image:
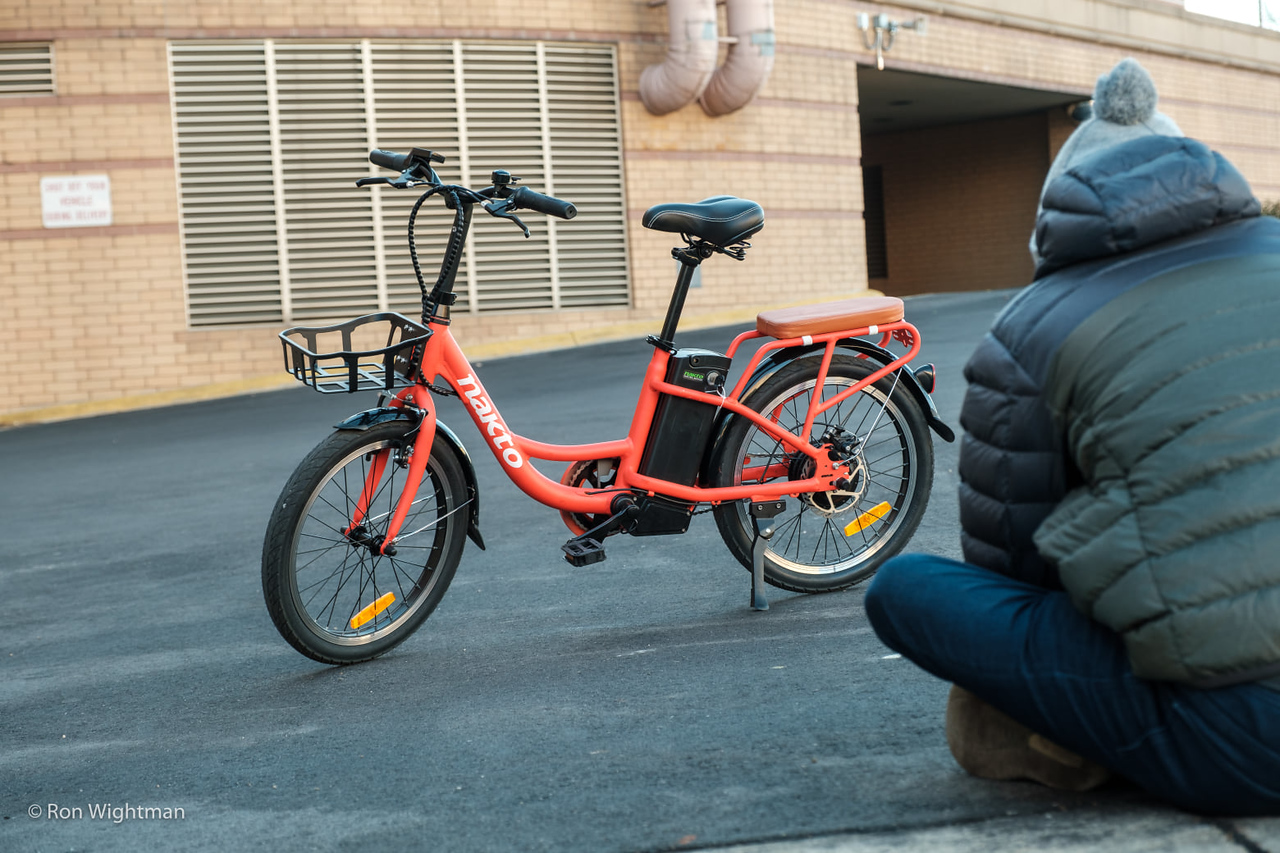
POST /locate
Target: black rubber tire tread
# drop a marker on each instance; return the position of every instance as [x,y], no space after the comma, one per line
[912,422]
[278,581]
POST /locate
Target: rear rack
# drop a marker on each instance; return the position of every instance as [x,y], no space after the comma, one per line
[342,369]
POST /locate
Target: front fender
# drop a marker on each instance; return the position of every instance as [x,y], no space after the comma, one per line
[372,417]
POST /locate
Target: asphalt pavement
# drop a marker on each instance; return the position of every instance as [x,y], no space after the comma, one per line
[147,702]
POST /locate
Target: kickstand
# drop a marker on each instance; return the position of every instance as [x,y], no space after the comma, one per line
[761,509]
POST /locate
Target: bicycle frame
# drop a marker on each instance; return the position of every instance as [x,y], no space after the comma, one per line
[444,359]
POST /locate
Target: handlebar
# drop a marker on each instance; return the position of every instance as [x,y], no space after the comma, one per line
[527,198]
[415,170]
[418,160]
[389,159]
[500,200]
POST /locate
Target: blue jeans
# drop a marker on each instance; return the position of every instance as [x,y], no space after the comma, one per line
[1029,652]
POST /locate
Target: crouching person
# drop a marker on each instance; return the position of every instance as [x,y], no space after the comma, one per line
[1118,610]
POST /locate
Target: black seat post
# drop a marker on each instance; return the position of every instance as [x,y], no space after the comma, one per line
[689,259]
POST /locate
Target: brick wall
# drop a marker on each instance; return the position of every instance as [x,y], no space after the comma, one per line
[106,305]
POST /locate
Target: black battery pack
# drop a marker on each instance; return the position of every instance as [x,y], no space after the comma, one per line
[680,430]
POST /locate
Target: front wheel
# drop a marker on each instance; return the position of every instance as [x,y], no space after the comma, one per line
[826,541]
[329,594]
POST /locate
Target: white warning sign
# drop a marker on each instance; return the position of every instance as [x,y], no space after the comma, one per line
[76,202]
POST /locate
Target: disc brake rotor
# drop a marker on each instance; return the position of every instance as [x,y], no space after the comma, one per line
[846,447]
[839,500]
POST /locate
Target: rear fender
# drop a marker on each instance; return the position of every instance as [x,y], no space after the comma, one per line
[774,361]
[372,417]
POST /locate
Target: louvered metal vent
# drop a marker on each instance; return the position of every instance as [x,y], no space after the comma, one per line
[225,138]
[273,134]
[586,159]
[26,69]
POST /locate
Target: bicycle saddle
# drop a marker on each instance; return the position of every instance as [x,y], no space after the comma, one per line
[721,220]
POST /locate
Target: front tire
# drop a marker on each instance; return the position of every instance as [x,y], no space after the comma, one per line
[330,596]
[887,437]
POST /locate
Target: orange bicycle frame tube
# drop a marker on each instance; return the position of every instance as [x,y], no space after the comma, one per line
[444,358]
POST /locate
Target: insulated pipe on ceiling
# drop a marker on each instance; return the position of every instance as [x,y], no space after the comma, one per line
[691,57]
[750,58]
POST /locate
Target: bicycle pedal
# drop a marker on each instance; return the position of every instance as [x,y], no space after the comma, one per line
[582,552]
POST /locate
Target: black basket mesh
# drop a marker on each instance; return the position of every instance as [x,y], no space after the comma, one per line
[325,358]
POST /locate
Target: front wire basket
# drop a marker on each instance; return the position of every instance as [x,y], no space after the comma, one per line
[310,354]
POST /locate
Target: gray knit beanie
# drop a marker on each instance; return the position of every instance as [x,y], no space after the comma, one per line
[1124,108]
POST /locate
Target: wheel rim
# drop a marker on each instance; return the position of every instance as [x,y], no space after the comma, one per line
[809,538]
[335,581]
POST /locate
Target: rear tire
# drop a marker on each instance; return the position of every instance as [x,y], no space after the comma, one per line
[810,550]
[318,582]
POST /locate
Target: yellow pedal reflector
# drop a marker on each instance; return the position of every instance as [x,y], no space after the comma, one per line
[367,615]
[867,519]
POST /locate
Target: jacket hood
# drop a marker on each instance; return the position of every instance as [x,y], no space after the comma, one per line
[1136,194]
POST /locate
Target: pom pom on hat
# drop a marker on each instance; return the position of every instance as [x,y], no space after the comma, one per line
[1125,95]
[1124,108]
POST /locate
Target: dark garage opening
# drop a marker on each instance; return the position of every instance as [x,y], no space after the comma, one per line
[952,171]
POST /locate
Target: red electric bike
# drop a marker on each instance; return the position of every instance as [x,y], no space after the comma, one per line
[817,463]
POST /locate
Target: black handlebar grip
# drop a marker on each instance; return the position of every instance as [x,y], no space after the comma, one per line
[389,159]
[525,197]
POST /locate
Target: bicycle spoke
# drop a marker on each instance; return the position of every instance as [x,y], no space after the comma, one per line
[811,539]
[821,535]
[365,577]
[336,538]
[321,581]
[319,556]
[795,531]
[839,540]
[892,437]
[897,452]
[383,515]
[874,480]
[866,543]
[333,600]
[321,551]
[434,523]
[341,514]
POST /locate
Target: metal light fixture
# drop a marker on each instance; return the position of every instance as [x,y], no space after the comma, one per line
[885,28]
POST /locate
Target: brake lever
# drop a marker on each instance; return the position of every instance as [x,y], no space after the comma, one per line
[404,181]
[499,209]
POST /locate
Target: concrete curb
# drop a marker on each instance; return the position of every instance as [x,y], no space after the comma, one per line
[1126,830]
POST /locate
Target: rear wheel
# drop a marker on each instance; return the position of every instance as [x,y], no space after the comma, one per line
[829,540]
[329,594]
